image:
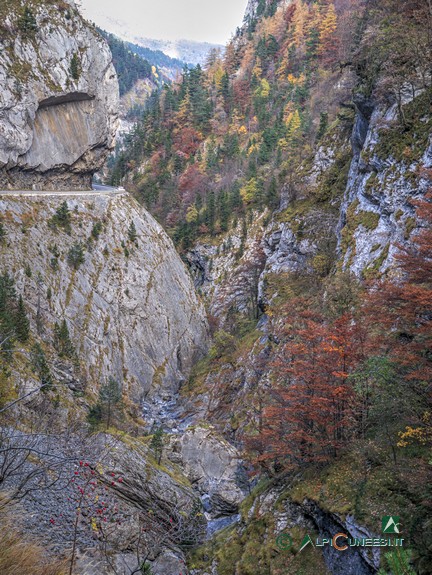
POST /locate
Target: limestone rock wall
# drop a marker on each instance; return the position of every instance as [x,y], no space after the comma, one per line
[131,307]
[58,97]
[378,213]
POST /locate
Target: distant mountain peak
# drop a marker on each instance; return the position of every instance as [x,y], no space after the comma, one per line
[189,51]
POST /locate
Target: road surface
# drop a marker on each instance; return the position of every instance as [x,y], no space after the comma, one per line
[98,189]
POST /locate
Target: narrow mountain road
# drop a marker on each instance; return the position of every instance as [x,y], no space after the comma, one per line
[97,190]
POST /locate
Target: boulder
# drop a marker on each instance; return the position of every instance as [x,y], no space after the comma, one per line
[213,466]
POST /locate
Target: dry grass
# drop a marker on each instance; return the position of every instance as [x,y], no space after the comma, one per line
[19,556]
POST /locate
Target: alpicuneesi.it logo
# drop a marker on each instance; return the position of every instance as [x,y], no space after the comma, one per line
[390,524]
[341,541]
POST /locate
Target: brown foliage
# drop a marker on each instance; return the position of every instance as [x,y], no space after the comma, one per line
[404,308]
[17,555]
[310,415]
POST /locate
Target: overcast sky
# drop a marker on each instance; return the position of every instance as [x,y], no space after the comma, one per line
[202,20]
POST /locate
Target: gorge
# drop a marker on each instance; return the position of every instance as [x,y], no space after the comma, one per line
[236,348]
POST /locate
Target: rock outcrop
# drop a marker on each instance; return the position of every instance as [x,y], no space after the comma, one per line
[58,98]
[213,466]
[378,213]
[112,273]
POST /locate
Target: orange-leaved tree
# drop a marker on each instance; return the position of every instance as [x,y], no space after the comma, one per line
[310,413]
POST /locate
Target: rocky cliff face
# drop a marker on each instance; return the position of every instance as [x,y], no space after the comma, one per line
[59,97]
[378,211]
[130,305]
[251,9]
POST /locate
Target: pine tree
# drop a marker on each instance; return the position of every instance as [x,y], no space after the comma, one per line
[146,569]
[132,232]
[40,366]
[22,324]
[322,125]
[62,341]
[156,444]
[75,68]
[224,213]
[75,256]
[235,200]
[210,212]
[272,194]
[110,396]
[62,218]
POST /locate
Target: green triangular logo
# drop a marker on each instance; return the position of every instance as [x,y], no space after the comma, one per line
[390,524]
[306,540]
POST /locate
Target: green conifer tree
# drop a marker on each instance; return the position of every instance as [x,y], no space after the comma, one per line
[22,324]
[211,212]
[110,396]
[40,366]
[75,256]
[62,218]
[224,212]
[75,67]
[156,444]
[62,341]
[132,232]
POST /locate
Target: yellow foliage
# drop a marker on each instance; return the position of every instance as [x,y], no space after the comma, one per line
[155,74]
[263,89]
[183,115]
[288,113]
[296,81]
[288,119]
[422,435]
[248,57]
[299,22]
[274,26]
[294,125]
[249,191]
[94,524]
[191,214]
[254,148]
[257,69]
[217,76]
[236,122]
[283,144]
[328,26]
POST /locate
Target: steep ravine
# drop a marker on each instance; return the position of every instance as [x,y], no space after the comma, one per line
[103,267]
